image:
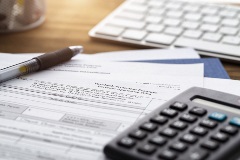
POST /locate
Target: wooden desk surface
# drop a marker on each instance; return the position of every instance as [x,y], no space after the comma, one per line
[68,23]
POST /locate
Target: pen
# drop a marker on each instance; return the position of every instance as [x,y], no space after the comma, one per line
[39,63]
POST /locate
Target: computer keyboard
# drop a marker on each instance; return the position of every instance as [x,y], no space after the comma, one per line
[211,29]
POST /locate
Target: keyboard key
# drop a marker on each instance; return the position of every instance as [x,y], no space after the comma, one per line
[127,142]
[209,10]
[228,30]
[130,15]
[191,7]
[199,131]
[190,25]
[179,106]
[209,27]
[169,132]
[127,23]
[147,149]
[155,11]
[188,118]
[179,125]
[198,111]
[174,14]
[229,130]
[179,146]
[155,28]
[171,22]
[155,3]
[159,119]
[221,137]
[158,140]
[138,134]
[173,5]
[218,116]
[168,155]
[214,37]
[134,34]
[110,31]
[209,144]
[208,123]
[160,38]
[136,8]
[189,138]
[230,22]
[211,19]
[153,19]
[148,126]
[198,154]
[173,31]
[227,13]
[231,40]
[169,112]
[235,121]
[192,34]
[193,16]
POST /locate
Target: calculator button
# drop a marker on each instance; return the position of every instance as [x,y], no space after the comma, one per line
[189,138]
[221,137]
[179,146]
[208,123]
[179,106]
[199,131]
[198,111]
[169,155]
[235,121]
[212,145]
[169,132]
[188,118]
[159,119]
[158,140]
[169,112]
[229,130]
[148,126]
[138,134]
[218,116]
[179,125]
[198,155]
[127,142]
[147,149]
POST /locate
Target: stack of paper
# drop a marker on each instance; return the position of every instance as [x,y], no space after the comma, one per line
[72,110]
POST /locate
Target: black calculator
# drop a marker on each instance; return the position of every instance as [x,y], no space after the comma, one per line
[198,124]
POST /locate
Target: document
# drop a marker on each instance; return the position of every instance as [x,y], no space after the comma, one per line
[7,59]
[60,114]
[143,54]
[73,118]
[223,85]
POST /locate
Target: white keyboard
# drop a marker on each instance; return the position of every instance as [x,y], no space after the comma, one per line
[212,29]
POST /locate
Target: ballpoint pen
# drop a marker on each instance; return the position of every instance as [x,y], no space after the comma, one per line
[39,63]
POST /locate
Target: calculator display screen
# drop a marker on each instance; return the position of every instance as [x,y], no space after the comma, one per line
[216,105]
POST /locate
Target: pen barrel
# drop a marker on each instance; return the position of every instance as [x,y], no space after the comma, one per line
[18,70]
[54,58]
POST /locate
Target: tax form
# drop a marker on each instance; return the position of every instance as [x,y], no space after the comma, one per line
[44,119]
[71,111]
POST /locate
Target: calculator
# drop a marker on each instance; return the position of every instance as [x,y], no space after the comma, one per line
[198,124]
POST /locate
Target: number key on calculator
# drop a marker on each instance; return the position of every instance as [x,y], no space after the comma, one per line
[199,124]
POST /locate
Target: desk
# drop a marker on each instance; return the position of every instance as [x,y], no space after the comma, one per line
[68,23]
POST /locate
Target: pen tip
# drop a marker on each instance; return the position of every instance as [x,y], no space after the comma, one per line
[76,49]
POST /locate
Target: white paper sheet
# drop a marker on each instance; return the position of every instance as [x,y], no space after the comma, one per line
[223,85]
[146,54]
[7,59]
[72,118]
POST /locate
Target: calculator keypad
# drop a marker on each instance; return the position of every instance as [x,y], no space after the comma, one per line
[190,124]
